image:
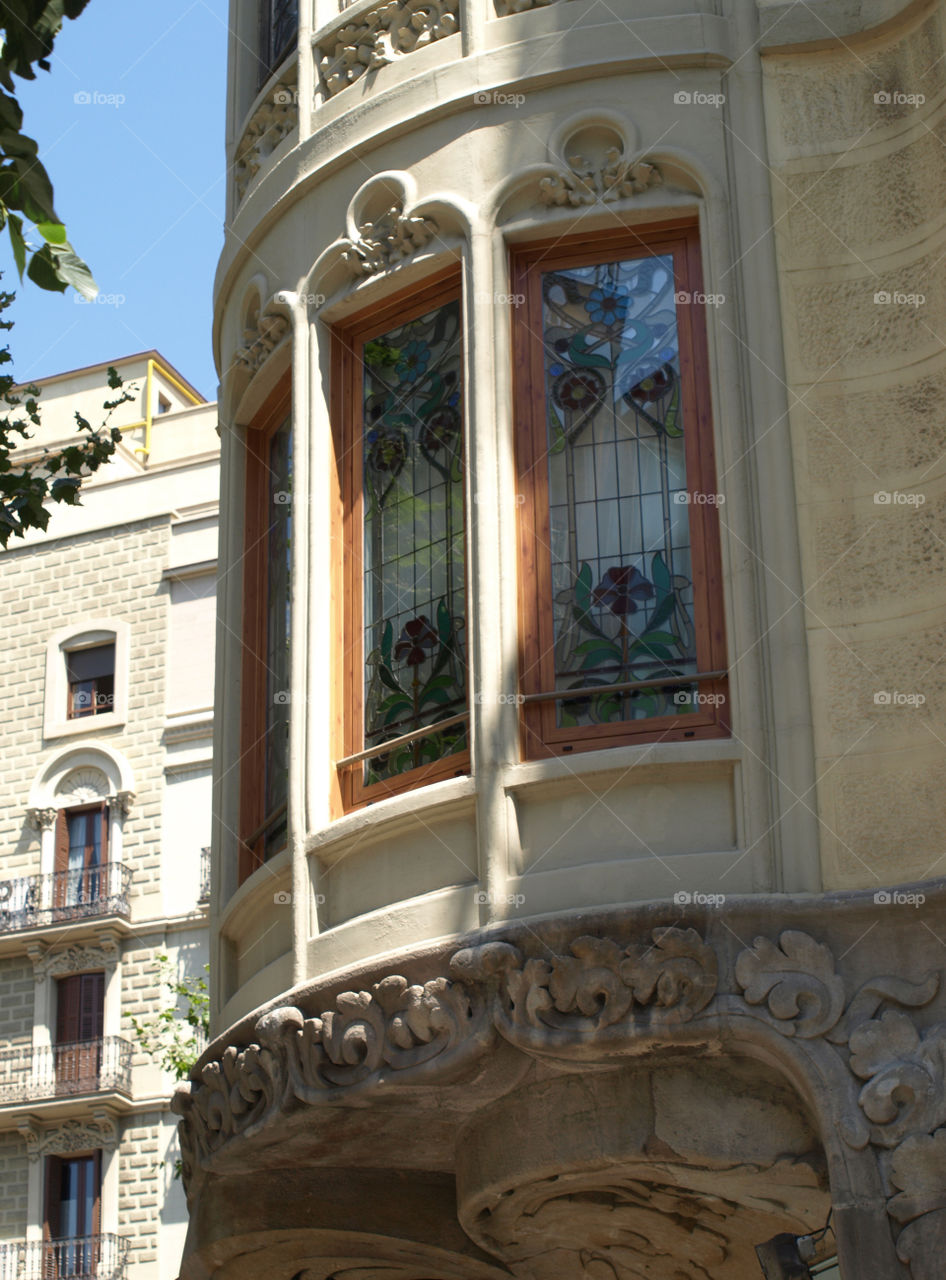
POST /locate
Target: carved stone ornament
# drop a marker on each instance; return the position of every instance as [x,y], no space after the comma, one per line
[504,7]
[42,819]
[273,120]
[120,802]
[381,34]
[259,342]
[70,1135]
[386,241]
[589,1001]
[585,182]
[75,959]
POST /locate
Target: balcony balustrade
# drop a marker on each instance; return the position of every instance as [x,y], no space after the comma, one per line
[32,1073]
[99,1257]
[61,896]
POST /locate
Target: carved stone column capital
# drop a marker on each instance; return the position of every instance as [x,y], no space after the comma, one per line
[121,802]
[42,819]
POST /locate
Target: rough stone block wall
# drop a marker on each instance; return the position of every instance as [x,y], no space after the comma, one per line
[859,176]
[16,1006]
[14,1174]
[115,573]
[140,1170]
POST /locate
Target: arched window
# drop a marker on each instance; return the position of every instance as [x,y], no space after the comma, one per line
[86,677]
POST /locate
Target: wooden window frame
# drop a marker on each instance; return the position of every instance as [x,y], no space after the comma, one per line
[349,792]
[253,706]
[540,735]
[94,709]
[52,1196]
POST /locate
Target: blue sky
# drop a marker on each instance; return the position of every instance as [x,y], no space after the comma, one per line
[130,126]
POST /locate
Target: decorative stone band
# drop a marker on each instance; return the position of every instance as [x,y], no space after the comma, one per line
[273,120]
[379,35]
[584,182]
[592,999]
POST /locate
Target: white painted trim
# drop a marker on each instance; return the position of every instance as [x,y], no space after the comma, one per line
[82,634]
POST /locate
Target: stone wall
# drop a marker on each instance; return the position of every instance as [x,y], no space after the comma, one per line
[139,1196]
[856,138]
[14,1171]
[112,574]
[16,1007]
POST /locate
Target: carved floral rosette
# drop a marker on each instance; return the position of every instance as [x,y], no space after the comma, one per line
[379,35]
[596,997]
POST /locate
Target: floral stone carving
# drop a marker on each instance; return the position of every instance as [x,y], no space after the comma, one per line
[259,342]
[380,35]
[274,120]
[585,182]
[589,1000]
[388,240]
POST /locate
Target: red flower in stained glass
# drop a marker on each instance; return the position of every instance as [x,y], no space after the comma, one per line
[579,390]
[621,588]
[417,636]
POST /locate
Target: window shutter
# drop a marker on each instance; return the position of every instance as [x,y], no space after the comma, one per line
[97,1198]
[53,1194]
[91,1018]
[62,842]
[68,997]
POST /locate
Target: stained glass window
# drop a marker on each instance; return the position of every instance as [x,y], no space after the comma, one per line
[279,22]
[413,536]
[276,763]
[618,504]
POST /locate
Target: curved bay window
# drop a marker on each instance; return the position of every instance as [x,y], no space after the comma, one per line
[279,22]
[622,629]
[265,718]
[399,437]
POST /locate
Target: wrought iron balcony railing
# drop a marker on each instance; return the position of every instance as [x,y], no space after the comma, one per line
[64,895]
[99,1257]
[204,875]
[30,1074]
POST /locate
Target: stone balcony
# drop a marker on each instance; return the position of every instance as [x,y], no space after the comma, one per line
[62,897]
[42,1073]
[98,1257]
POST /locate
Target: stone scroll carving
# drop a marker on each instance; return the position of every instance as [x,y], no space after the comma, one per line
[380,35]
[583,1001]
[387,240]
[70,1135]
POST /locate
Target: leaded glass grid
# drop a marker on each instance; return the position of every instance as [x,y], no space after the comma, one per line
[413,541]
[619,526]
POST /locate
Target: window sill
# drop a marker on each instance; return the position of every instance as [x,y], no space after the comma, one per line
[87,724]
[641,755]
[406,807]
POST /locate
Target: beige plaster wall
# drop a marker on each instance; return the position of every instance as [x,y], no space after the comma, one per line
[858,191]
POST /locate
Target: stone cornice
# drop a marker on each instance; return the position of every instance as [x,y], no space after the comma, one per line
[853,1031]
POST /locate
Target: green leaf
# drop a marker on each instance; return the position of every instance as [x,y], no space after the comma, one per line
[583,588]
[660,637]
[660,573]
[387,678]
[600,657]
[580,355]
[15,224]
[387,644]
[53,232]
[56,267]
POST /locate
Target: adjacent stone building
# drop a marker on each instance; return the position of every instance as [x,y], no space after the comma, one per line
[107,668]
[580,911]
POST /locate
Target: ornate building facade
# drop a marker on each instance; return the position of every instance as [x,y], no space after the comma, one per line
[580,694]
[107,668]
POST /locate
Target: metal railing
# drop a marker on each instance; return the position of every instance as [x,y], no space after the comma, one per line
[64,895]
[204,875]
[99,1257]
[28,1073]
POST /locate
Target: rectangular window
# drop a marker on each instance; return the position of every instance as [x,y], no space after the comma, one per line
[80,1019]
[91,679]
[621,594]
[72,1226]
[279,22]
[400,420]
[265,712]
[80,853]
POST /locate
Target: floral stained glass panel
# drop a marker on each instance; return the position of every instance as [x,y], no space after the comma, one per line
[412,466]
[619,527]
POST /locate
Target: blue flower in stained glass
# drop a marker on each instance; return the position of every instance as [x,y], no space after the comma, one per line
[607,306]
[414,360]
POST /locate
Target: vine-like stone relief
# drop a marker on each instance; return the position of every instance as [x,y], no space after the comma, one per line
[75,959]
[379,35]
[389,239]
[70,1135]
[273,120]
[585,999]
[585,182]
[260,338]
